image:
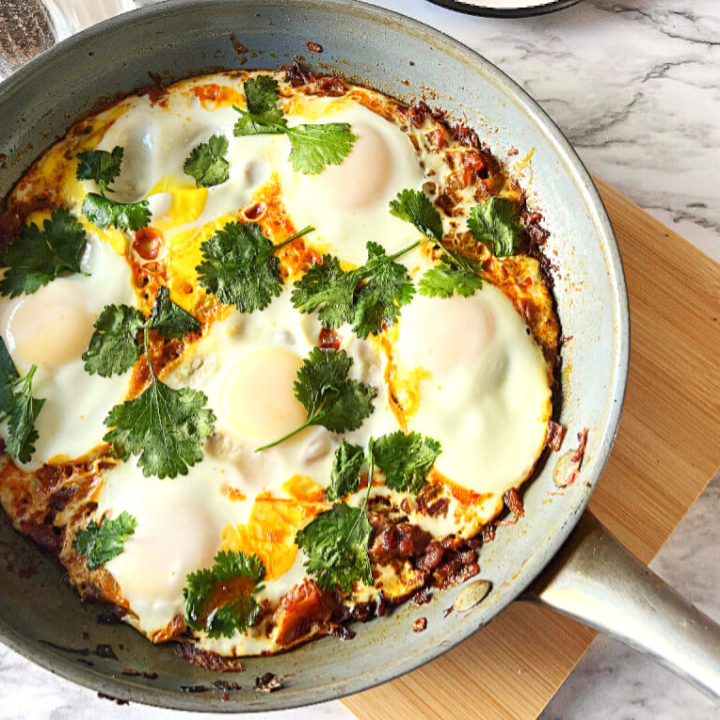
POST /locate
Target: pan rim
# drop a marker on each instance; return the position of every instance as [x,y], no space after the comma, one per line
[536,561]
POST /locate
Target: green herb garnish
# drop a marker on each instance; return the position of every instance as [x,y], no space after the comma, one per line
[165,426]
[101,543]
[406,460]
[492,222]
[115,345]
[368,297]
[345,473]
[38,256]
[103,167]
[207,164]
[456,273]
[313,146]
[221,600]
[18,407]
[330,397]
[240,267]
[336,543]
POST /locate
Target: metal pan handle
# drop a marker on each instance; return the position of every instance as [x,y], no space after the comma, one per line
[595,580]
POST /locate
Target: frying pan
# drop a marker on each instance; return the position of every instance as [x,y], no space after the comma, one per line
[592,578]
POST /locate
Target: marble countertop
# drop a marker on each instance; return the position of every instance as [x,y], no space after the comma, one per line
[634,84]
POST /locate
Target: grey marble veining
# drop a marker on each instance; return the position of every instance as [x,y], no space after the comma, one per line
[635,85]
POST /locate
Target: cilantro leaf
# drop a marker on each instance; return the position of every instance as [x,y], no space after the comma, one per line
[169,319]
[315,146]
[345,473]
[331,289]
[263,116]
[457,274]
[101,166]
[312,146]
[19,407]
[101,543]
[207,164]
[386,289]
[445,280]
[102,211]
[166,427]
[21,426]
[113,347]
[104,167]
[8,379]
[221,600]
[367,297]
[240,267]
[330,397]
[415,207]
[406,459]
[492,222]
[336,543]
[38,256]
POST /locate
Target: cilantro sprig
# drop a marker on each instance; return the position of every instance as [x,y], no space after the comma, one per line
[101,543]
[406,459]
[329,396]
[336,542]
[312,146]
[115,345]
[207,164]
[456,273]
[345,473]
[493,223]
[368,297]
[104,167]
[221,600]
[240,266]
[38,256]
[164,426]
[18,407]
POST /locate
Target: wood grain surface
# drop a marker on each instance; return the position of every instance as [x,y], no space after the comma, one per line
[667,450]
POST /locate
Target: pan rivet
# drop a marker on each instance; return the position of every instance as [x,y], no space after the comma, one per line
[471,595]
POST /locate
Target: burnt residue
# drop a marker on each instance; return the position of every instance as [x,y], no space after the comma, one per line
[110,616]
[420,625]
[131,672]
[314,47]
[240,49]
[207,660]
[103,651]
[195,689]
[267,683]
[342,633]
[226,686]
[116,700]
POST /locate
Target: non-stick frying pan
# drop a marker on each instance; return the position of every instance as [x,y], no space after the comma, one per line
[592,578]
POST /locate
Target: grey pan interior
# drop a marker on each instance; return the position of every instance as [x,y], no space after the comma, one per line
[384,50]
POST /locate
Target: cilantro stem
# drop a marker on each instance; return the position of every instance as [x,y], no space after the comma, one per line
[371,470]
[306,424]
[302,232]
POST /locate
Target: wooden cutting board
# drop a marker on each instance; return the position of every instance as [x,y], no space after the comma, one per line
[667,450]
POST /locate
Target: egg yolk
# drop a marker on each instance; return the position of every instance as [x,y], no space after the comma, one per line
[362,178]
[257,397]
[443,334]
[49,328]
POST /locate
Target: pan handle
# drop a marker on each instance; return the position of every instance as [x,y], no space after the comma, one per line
[595,580]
